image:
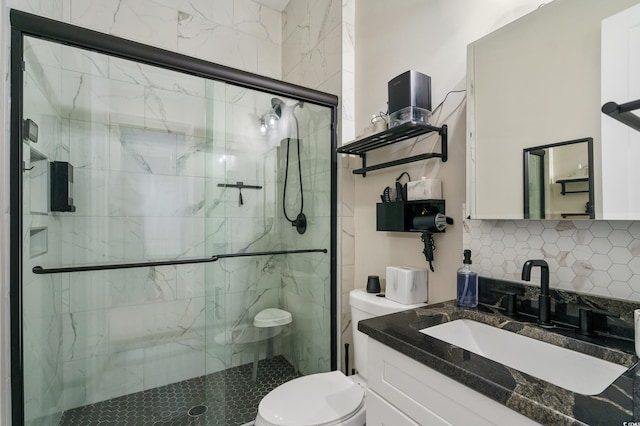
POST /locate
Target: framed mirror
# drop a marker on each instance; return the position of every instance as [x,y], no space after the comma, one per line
[538,81]
[558,180]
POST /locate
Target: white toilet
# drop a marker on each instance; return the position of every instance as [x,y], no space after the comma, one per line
[329,398]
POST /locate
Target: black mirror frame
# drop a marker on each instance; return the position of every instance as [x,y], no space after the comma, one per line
[525,167]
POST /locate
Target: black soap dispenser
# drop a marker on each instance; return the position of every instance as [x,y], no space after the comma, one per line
[467,284]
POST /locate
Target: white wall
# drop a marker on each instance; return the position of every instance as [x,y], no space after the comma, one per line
[549,62]
[430,37]
[620,144]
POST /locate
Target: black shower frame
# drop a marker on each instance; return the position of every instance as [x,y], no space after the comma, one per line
[26,24]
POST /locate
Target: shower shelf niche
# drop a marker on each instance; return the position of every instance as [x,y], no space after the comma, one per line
[38,175]
[38,241]
[396,134]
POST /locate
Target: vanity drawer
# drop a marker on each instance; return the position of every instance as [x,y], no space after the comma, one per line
[429,397]
[381,413]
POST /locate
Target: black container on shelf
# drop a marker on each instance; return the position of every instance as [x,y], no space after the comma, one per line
[61,182]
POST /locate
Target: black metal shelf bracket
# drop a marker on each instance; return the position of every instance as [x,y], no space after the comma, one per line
[390,136]
[564,182]
[623,113]
[565,215]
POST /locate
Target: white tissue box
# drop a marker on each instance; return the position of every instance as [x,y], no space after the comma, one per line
[406,285]
[424,189]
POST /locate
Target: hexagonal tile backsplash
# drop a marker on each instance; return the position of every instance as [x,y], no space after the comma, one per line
[586,256]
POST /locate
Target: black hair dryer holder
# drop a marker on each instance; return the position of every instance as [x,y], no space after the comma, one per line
[424,216]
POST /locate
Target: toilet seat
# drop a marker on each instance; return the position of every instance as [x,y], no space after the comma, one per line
[318,399]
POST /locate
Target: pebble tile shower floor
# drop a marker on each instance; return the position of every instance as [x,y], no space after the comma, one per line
[231,398]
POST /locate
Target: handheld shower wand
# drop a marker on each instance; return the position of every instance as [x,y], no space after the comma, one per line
[300,222]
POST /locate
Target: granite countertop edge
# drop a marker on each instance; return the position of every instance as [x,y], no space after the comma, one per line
[534,398]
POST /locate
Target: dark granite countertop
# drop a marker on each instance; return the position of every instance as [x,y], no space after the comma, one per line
[537,399]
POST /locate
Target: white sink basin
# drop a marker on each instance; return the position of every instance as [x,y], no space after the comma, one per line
[568,369]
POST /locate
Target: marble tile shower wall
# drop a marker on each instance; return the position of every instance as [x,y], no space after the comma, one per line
[42,293]
[173,299]
[251,32]
[586,256]
[311,44]
[346,178]
[312,57]
[306,277]
[139,329]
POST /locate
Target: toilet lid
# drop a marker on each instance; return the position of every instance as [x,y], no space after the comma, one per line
[317,399]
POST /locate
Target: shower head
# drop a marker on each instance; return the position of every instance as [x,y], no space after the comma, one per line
[276,105]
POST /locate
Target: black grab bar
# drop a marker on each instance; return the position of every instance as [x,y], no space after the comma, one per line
[623,113]
[40,270]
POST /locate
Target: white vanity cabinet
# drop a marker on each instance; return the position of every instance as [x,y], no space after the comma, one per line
[403,391]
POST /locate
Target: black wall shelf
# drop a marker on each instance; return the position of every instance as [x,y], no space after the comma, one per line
[390,136]
[566,215]
[563,183]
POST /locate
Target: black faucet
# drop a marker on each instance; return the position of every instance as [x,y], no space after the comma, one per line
[544,299]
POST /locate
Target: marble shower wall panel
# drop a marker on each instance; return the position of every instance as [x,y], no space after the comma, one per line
[140,141]
[312,332]
[316,175]
[42,320]
[157,78]
[125,376]
[129,19]
[186,358]
[347,98]
[312,44]
[252,43]
[175,112]
[313,37]
[305,277]
[102,376]
[138,184]
[92,98]
[306,294]
[89,146]
[345,177]
[42,346]
[251,33]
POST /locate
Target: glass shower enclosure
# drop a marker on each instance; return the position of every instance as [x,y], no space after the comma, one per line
[173,232]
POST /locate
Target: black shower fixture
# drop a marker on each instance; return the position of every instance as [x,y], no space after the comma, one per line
[300,222]
[276,105]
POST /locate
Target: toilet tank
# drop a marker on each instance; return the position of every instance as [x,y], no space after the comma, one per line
[367,305]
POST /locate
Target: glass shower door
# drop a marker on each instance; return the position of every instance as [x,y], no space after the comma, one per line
[203,181]
[117,174]
[246,198]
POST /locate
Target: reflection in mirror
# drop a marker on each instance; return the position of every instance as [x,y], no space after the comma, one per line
[558,180]
[534,183]
[543,79]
